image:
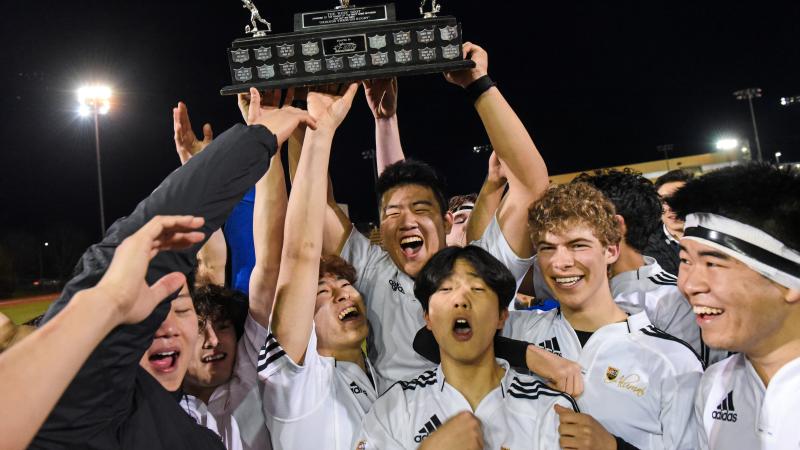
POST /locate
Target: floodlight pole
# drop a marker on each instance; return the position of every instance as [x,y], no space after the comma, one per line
[749,94]
[95,113]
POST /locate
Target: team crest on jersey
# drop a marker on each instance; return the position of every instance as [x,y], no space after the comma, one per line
[611,373]
[627,382]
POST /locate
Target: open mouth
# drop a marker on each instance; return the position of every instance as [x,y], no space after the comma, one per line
[164,361]
[411,245]
[567,281]
[462,330]
[214,357]
[706,313]
[349,313]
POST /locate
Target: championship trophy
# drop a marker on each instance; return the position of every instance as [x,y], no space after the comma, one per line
[347,43]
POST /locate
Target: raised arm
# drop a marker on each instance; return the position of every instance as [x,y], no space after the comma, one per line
[488,199]
[293,312]
[37,370]
[525,168]
[211,259]
[382,100]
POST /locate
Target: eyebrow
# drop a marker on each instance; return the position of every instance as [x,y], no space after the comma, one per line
[570,242]
[714,254]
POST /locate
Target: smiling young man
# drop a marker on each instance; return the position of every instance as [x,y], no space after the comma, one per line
[639,381]
[471,400]
[740,269]
[315,379]
[415,221]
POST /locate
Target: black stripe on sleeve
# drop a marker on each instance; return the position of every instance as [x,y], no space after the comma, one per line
[661,334]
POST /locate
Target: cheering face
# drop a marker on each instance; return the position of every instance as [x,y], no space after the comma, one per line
[173,345]
[458,233]
[575,265]
[668,217]
[737,308]
[214,354]
[464,315]
[412,226]
[340,317]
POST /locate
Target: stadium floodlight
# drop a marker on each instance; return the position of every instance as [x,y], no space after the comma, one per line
[95,100]
[786,101]
[727,144]
[778,157]
[749,94]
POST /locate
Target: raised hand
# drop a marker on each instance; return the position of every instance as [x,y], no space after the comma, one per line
[461,432]
[560,373]
[381,97]
[328,109]
[186,142]
[497,171]
[281,121]
[124,284]
[465,77]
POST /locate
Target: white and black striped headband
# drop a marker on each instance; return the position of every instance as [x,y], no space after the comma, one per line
[753,247]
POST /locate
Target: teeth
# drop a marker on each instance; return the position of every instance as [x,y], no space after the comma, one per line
[410,240]
[216,357]
[567,280]
[347,311]
[165,354]
[706,310]
[461,321]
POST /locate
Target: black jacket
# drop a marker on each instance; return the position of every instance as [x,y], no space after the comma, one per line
[664,250]
[112,402]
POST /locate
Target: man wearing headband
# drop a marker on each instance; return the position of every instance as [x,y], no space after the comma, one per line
[740,269]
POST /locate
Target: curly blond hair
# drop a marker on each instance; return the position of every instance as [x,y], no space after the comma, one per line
[568,205]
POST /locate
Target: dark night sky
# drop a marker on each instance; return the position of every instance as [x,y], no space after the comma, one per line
[597,84]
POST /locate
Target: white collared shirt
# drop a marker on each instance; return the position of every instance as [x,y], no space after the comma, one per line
[638,382]
[394,314]
[225,426]
[318,405]
[734,409]
[517,414]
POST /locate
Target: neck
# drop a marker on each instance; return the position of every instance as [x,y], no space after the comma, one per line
[353,355]
[677,234]
[782,349]
[203,393]
[596,312]
[474,379]
[629,259]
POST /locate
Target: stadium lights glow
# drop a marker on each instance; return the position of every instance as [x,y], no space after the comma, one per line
[778,157]
[727,144]
[745,150]
[94,98]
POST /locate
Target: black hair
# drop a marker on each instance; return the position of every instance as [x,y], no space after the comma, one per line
[757,194]
[220,304]
[440,266]
[673,176]
[410,171]
[634,198]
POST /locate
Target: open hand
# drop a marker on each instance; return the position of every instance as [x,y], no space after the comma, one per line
[329,109]
[381,97]
[280,120]
[186,142]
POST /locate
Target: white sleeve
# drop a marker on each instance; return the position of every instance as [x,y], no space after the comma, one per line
[245,376]
[290,390]
[527,326]
[548,424]
[677,412]
[700,429]
[495,243]
[360,253]
[674,314]
[388,415]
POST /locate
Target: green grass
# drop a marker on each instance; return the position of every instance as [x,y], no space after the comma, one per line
[24,312]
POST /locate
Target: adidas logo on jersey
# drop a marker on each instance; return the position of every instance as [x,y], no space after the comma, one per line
[356,389]
[430,426]
[725,410]
[551,345]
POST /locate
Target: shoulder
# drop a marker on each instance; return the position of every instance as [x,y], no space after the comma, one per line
[423,381]
[679,353]
[532,393]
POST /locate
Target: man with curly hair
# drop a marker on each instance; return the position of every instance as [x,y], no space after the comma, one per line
[740,269]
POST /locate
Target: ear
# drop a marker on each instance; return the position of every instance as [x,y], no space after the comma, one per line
[792,296]
[623,227]
[427,320]
[503,317]
[448,222]
[612,254]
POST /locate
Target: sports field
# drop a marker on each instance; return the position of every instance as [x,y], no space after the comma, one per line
[22,310]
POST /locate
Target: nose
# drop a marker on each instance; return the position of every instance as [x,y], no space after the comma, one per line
[563,258]
[462,297]
[168,327]
[692,280]
[408,220]
[210,339]
[340,294]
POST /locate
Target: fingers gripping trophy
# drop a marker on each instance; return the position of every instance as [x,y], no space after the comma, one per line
[255,17]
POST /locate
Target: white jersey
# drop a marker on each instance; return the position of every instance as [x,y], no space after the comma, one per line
[394,314]
[240,397]
[225,426]
[318,405]
[733,409]
[517,414]
[638,381]
[655,291]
